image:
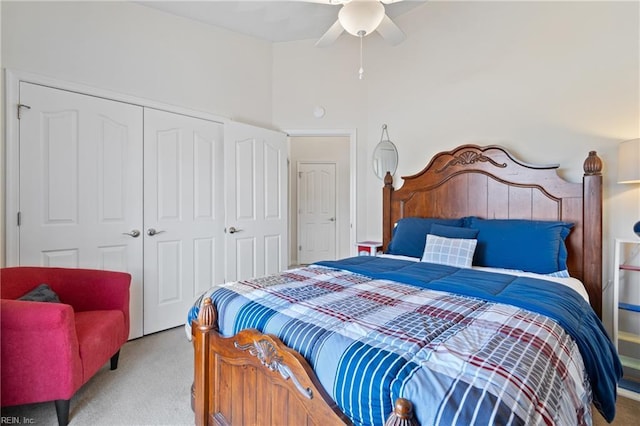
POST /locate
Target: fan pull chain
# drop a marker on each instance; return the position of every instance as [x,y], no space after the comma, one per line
[361,71]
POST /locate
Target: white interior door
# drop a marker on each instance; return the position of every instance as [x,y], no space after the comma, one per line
[81,185]
[316,212]
[256,201]
[183,214]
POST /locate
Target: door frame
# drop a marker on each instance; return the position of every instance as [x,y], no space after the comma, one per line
[10,181]
[353,175]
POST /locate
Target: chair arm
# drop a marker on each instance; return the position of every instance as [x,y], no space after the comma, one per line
[40,349]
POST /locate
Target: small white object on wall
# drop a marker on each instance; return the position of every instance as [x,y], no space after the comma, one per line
[318,112]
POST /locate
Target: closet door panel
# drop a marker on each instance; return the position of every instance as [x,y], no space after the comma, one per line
[256,201]
[183,214]
[204,250]
[204,173]
[80,185]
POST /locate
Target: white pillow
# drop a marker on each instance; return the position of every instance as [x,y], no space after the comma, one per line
[456,252]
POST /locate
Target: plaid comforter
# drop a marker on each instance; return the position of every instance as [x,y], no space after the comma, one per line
[460,359]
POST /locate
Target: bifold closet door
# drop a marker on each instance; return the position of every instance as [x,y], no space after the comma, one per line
[183,214]
[80,185]
[256,201]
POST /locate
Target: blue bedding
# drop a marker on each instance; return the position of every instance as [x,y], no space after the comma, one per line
[465,346]
[560,303]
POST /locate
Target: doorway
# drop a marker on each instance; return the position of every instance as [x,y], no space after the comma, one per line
[312,151]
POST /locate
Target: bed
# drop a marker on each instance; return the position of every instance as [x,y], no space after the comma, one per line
[464,327]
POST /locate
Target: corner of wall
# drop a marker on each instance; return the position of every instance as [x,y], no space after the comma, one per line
[2,154]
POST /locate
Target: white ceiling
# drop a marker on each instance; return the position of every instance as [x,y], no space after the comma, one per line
[274,21]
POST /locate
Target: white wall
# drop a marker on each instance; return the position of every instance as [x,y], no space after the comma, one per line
[2,154]
[132,49]
[548,80]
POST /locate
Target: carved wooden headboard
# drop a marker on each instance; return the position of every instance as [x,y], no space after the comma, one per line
[490,183]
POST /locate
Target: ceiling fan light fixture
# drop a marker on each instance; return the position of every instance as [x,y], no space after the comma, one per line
[361,17]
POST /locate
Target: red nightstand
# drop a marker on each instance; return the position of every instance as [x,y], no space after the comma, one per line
[369,248]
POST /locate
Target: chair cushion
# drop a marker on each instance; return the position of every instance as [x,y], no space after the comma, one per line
[100,336]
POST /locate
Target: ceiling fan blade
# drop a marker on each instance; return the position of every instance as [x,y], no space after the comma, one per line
[390,31]
[331,35]
[331,2]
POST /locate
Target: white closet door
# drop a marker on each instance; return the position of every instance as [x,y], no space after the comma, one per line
[256,201]
[81,185]
[183,214]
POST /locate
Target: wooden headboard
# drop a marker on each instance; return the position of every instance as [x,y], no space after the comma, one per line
[489,182]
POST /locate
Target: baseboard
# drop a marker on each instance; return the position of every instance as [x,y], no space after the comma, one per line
[629,394]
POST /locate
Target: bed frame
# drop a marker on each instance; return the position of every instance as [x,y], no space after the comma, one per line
[253,378]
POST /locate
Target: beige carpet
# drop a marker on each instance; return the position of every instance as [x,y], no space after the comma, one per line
[152,384]
[627,413]
[150,387]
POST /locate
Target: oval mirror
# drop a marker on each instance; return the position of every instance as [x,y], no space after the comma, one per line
[385,158]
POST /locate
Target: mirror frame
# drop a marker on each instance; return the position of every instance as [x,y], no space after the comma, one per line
[391,157]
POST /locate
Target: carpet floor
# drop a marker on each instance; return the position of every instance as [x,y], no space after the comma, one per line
[152,386]
[627,413]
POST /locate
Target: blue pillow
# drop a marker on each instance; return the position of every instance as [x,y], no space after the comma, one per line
[453,231]
[410,234]
[528,245]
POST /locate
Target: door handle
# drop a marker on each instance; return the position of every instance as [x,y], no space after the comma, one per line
[332,219]
[233,230]
[151,232]
[134,233]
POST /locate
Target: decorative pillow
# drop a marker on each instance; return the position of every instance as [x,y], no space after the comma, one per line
[453,231]
[410,233]
[456,252]
[42,293]
[529,245]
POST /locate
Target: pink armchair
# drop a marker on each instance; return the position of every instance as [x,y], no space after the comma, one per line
[49,350]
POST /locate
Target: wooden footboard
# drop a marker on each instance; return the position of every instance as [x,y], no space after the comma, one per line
[254,379]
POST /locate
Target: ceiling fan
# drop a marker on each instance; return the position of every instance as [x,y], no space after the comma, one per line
[361,18]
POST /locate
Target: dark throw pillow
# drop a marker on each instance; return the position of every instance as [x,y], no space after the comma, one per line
[42,293]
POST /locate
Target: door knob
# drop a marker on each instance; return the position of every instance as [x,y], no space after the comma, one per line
[233,230]
[151,232]
[332,219]
[134,233]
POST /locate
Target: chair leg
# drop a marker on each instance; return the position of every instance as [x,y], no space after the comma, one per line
[114,360]
[62,410]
